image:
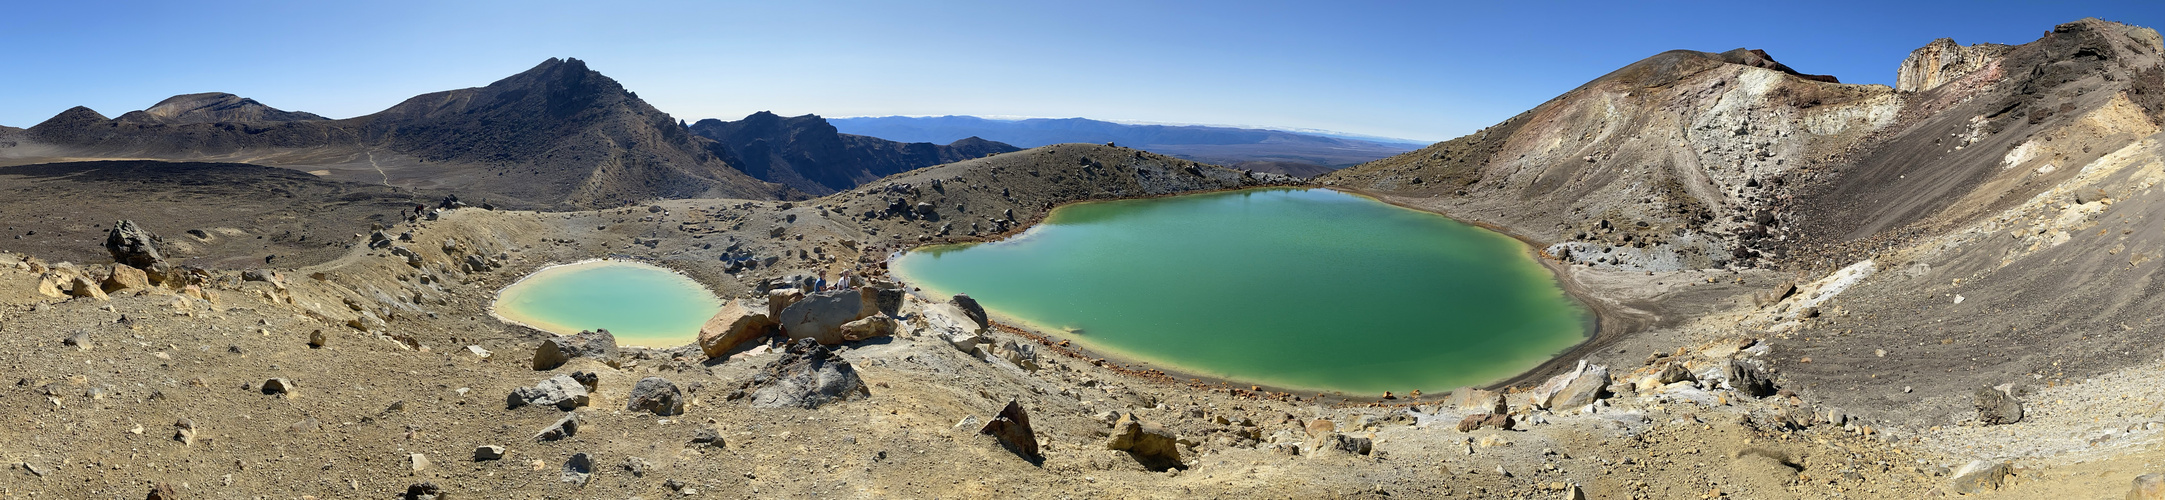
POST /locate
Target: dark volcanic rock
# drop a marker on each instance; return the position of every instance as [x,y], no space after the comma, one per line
[970,308]
[1750,377]
[656,395]
[807,376]
[556,351]
[133,246]
[1012,428]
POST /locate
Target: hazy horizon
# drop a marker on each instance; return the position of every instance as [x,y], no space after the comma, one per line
[1416,72]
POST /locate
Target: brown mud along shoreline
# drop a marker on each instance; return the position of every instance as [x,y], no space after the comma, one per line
[1607,327]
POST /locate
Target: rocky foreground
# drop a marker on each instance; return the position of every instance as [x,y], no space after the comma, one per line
[1807,290]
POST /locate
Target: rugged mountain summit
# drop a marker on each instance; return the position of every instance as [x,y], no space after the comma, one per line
[559,134]
[1944,60]
[808,154]
[213,107]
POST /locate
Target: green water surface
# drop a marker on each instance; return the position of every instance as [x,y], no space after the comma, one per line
[642,304]
[1313,290]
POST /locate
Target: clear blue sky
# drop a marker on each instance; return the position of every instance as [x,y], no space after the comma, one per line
[1417,70]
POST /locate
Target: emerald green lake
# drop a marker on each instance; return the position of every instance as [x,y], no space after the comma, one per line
[1312,290]
[643,305]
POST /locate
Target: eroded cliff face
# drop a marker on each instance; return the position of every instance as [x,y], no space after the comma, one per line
[1944,60]
[1679,161]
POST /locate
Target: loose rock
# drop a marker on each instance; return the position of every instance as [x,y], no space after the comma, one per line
[656,395]
[1012,428]
[558,350]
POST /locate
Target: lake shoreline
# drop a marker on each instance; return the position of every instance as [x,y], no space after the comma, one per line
[538,324]
[1595,321]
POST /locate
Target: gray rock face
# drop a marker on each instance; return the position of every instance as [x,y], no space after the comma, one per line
[561,391]
[1150,445]
[1012,428]
[970,308]
[656,395]
[133,246]
[1996,407]
[820,316]
[806,376]
[558,350]
[1943,61]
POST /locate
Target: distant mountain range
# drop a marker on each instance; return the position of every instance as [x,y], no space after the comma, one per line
[557,135]
[1292,153]
[808,154]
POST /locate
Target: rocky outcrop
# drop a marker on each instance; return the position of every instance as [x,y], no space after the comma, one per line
[970,308]
[806,376]
[734,325]
[1150,444]
[556,351]
[1942,61]
[133,246]
[1012,428]
[656,395]
[561,391]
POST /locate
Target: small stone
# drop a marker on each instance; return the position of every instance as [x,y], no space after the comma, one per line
[417,462]
[424,491]
[708,436]
[81,341]
[317,339]
[488,452]
[578,469]
[636,466]
[278,387]
[656,395]
[162,491]
[563,428]
[1997,407]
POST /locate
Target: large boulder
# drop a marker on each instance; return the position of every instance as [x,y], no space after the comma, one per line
[561,391]
[807,375]
[656,395]
[1997,407]
[971,309]
[133,246]
[733,326]
[1578,387]
[820,316]
[1150,445]
[556,351]
[1012,428]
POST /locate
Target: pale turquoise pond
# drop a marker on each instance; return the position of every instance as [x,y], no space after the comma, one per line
[643,305]
[1313,290]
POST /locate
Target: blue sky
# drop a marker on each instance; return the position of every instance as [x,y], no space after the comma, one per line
[1417,70]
